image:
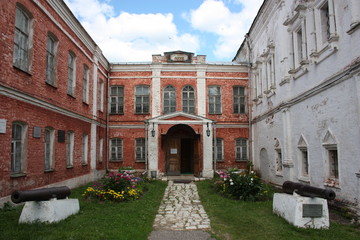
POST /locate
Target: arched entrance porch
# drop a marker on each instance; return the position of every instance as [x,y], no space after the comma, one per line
[182,150]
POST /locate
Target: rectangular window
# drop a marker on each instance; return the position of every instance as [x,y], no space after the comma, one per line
[86,84]
[69,149]
[101,149]
[116,148]
[17,147]
[241,149]
[49,149]
[304,163]
[142,100]
[117,100]
[169,99]
[325,22]
[219,146]
[140,149]
[239,99]
[333,164]
[101,95]
[85,148]
[214,100]
[71,74]
[21,40]
[51,60]
[278,161]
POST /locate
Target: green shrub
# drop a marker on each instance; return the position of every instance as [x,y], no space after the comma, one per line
[244,185]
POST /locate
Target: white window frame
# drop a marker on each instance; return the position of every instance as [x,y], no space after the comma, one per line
[219,153]
[187,107]
[304,169]
[214,100]
[169,96]
[18,160]
[49,149]
[239,100]
[140,150]
[333,165]
[71,74]
[142,100]
[116,149]
[101,95]
[241,149]
[23,39]
[85,149]
[51,59]
[101,150]
[85,96]
[116,100]
[70,139]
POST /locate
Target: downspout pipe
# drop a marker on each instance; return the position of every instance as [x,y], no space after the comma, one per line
[247,41]
[107,119]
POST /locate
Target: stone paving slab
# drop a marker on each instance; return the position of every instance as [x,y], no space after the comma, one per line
[180,235]
[181,209]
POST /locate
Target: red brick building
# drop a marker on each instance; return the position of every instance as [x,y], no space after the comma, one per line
[53,99]
[165,115]
[67,115]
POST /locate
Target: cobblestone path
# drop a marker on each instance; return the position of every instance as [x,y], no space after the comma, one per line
[181,209]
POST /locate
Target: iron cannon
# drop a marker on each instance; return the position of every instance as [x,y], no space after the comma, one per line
[307,191]
[42,194]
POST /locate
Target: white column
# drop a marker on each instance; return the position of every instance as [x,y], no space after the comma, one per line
[287,147]
[201,90]
[93,135]
[156,91]
[153,150]
[208,171]
[312,32]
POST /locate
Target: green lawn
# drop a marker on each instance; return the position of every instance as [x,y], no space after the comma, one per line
[231,219]
[127,220]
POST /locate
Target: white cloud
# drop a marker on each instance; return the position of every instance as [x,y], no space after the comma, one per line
[213,16]
[130,37]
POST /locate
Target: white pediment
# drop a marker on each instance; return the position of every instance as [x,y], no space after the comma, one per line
[329,139]
[179,116]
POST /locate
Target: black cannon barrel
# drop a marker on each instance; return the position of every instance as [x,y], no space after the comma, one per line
[308,191]
[42,194]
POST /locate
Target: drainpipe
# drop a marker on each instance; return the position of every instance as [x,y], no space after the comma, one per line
[107,120]
[146,145]
[250,99]
[215,145]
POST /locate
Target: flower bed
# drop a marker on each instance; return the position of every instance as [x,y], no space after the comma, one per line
[115,186]
[244,185]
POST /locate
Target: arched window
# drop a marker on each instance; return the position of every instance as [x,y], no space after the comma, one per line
[169,99]
[188,99]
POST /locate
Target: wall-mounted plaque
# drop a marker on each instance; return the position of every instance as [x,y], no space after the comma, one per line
[61,136]
[173,151]
[2,125]
[312,210]
[37,132]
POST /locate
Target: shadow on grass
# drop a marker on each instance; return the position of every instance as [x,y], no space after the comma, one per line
[232,219]
[107,220]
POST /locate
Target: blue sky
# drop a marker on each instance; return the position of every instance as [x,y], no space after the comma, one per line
[133,30]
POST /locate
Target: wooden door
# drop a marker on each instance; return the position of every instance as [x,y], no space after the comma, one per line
[173,156]
[197,149]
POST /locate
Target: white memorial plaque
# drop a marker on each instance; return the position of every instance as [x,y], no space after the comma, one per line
[173,151]
[2,125]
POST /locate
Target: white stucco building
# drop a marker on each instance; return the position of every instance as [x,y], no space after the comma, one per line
[305,93]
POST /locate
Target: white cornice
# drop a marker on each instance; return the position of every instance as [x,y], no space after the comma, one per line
[12,93]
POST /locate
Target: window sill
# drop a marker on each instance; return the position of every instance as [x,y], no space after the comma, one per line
[17,175]
[53,85]
[84,164]
[332,182]
[241,160]
[49,171]
[69,167]
[353,28]
[142,113]
[22,70]
[220,161]
[71,95]
[116,114]
[304,179]
[85,103]
[140,161]
[279,174]
[115,161]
